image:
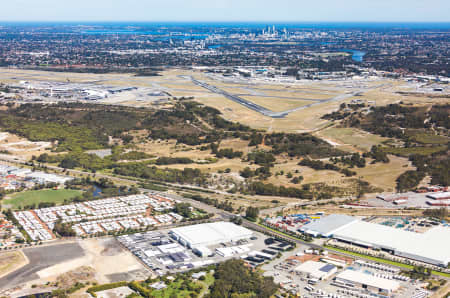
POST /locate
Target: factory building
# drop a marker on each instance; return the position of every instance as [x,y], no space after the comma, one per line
[367,281]
[439,196]
[429,247]
[316,270]
[209,234]
[326,226]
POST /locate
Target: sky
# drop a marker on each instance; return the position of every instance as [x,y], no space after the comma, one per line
[226,10]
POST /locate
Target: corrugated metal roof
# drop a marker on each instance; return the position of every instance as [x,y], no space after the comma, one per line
[327,225]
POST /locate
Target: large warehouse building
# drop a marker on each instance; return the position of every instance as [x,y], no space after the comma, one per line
[368,281]
[429,247]
[327,225]
[210,234]
[319,270]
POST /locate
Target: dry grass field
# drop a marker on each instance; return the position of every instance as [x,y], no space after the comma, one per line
[10,261]
[282,95]
[384,175]
[351,137]
[276,104]
[22,147]
[275,96]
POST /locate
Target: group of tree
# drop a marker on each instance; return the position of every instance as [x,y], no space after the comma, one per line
[300,145]
[261,172]
[226,152]
[355,160]
[441,213]
[63,229]
[377,154]
[409,180]
[320,165]
[234,279]
[252,213]
[224,205]
[269,189]
[173,160]
[143,170]
[184,209]
[262,158]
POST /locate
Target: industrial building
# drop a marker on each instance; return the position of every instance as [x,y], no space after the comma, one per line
[429,247]
[439,196]
[210,234]
[327,225]
[316,270]
[367,281]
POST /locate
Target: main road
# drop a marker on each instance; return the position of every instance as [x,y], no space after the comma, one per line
[221,214]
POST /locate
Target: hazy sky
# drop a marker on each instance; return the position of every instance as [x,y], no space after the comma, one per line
[226,10]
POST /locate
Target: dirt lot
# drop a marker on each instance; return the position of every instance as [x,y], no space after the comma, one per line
[11,261]
[350,138]
[101,260]
[22,147]
[41,258]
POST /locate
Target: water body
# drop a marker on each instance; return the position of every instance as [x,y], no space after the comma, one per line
[313,25]
[214,46]
[97,191]
[357,56]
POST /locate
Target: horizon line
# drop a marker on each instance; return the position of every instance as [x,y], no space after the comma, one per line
[224,22]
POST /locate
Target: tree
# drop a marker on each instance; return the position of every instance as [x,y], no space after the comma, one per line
[233,279]
[297,180]
[184,209]
[252,213]
[63,229]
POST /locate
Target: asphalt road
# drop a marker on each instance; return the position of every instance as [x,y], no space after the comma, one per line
[262,110]
[224,215]
[41,257]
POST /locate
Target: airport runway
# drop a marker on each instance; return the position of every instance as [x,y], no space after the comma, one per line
[262,110]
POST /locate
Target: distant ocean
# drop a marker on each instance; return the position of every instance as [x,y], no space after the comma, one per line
[318,25]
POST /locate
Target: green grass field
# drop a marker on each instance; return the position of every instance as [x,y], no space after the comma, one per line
[38,196]
[414,150]
[176,288]
[430,139]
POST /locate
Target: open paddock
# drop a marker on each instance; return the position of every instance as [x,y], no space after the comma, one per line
[351,136]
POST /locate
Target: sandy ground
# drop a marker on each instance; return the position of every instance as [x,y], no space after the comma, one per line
[11,261]
[101,260]
[22,147]
[104,255]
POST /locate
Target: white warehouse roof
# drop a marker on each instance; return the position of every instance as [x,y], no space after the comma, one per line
[50,177]
[211,233]
[439,195]
[430,247]
[358,277]
[317,270]
[326,226]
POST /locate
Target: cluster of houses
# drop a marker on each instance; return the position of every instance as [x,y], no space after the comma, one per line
[100,216]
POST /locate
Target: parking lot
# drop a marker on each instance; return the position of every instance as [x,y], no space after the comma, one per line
[283,271]
[162,254]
